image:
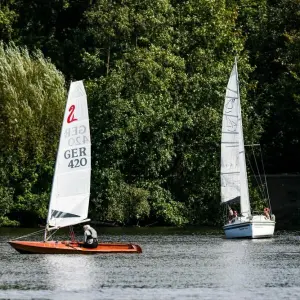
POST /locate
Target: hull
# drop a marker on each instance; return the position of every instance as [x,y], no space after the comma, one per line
[52,247]
[257,227]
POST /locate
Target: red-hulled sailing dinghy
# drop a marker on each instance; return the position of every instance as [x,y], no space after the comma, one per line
[52,247]
[71,185]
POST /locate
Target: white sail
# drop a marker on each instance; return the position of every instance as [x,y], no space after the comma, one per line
[71,183]
[234,182]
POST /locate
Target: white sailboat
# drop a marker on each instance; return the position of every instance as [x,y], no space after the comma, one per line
[234,182]
[70,195]
[69,202]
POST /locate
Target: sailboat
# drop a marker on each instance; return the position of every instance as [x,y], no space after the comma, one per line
[70,193]
[234,181]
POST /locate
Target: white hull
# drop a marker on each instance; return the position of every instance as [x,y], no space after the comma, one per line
[257,227]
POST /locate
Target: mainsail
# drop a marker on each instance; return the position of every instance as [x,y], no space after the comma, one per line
[234,182]
[71,183]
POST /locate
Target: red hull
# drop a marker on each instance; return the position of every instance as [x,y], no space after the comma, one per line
[53,247]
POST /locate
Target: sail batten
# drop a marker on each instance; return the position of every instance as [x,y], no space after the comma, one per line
[71,182]
[224,173]
[234,182]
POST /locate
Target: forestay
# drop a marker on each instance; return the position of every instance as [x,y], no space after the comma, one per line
[234,183]
[71,183]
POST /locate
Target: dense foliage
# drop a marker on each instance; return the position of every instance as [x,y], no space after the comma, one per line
[32,98]
[155,72]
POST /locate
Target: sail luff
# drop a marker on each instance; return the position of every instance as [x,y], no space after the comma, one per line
[244,200]
[55,169]
[53,179]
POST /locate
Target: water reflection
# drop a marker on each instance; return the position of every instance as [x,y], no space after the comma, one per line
[259,263]
[233,259]
[62,271]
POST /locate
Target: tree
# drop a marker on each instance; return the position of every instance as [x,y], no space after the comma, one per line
[207,38]
[32,97]
[274,50]
[160,103]
[54,27]
[8,17]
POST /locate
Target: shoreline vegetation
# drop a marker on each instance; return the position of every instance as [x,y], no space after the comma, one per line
[155,75]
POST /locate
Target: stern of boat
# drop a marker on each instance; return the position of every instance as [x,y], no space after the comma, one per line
[262,227]
[138,248]
[19,247]
[257,226]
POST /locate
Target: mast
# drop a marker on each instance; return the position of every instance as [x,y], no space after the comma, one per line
[244,199]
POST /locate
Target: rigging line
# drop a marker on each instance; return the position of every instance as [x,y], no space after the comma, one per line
[258,178]
[258,182]
[252,170]
[262,162]
[261,181]
[224,213]
[72,234]
[32,233]
[50,236]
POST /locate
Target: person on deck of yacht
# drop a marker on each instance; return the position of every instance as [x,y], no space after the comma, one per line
[267,212]
[90,237]
[230,214]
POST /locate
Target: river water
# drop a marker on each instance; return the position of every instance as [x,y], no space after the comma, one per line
[174,265]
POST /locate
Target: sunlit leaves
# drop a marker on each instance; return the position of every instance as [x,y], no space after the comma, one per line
[32,97]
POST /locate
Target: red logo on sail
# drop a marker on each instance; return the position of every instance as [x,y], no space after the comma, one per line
[71,117]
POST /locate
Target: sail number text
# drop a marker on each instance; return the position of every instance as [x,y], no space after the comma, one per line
[77,162]
[76,136]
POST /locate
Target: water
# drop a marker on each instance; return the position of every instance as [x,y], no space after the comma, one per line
[180,265]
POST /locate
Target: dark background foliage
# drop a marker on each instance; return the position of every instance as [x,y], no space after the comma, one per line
[155,73]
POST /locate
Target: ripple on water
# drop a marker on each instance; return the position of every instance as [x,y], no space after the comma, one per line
[172,266]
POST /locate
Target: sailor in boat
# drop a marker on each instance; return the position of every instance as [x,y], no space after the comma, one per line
[267,212]
[235,214]
[90,237]
[230,214]
[234,217]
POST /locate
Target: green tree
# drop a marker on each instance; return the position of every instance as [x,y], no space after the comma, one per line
[158,110]
[156,73]
[135,105]
[208,38]
[54,27]
[32,97]
[8,17]
[274,48]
